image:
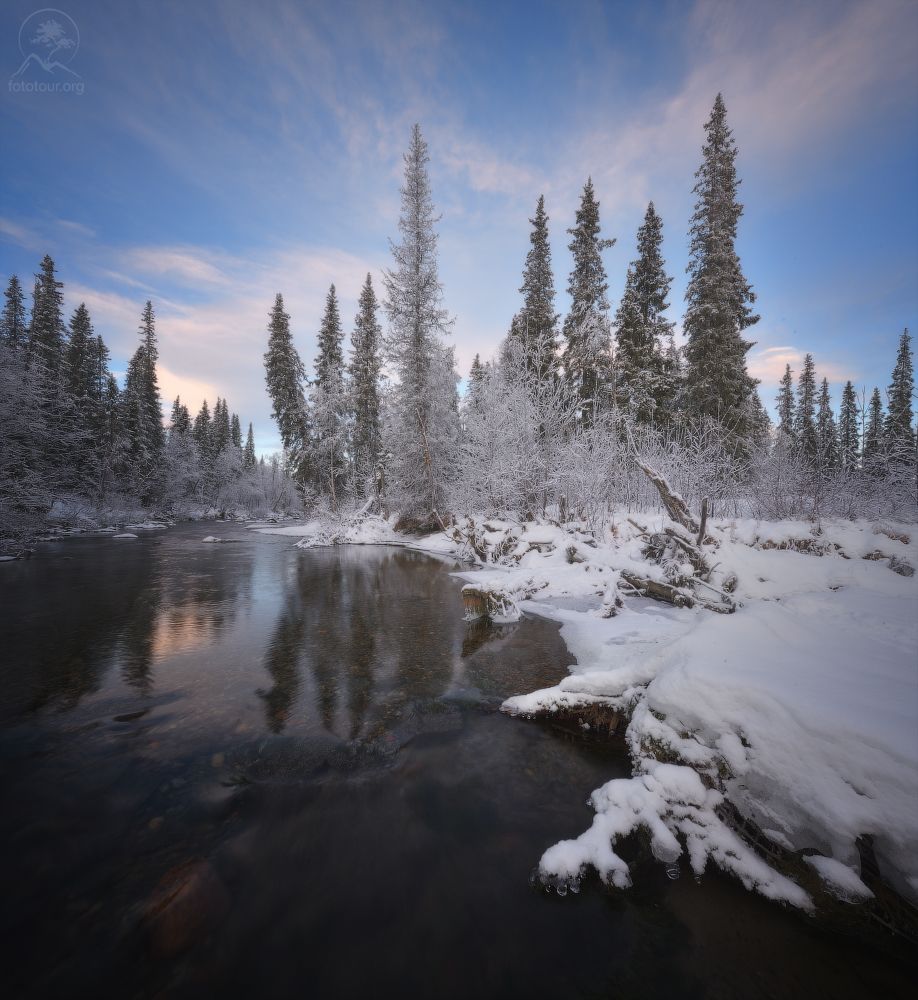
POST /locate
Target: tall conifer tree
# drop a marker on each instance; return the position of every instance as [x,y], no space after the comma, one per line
[221,432]
[718,297]
[873,435]
[80,368]
[785,403]
[328,403]
[424,425]
[805,414]
[535,326]
[826,431]
[849,450]
[586,331]
[13,327]
[203,433]
[644,378]
[46,329]
[365,367]
[248,454]
[284,376]
[180,422]
[898,433]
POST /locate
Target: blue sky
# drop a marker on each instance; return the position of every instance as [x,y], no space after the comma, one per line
[223,151]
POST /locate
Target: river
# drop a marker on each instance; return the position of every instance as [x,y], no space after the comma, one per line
[245,769]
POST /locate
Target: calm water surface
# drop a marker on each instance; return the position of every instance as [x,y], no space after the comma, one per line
[249,770]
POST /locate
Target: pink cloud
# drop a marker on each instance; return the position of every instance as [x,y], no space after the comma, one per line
[768,364]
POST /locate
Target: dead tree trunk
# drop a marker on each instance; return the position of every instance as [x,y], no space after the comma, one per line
[673,547]
[675,506]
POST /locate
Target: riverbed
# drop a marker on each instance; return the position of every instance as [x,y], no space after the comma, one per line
[240,768]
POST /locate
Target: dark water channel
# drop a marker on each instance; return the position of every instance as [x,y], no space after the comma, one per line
[249,770]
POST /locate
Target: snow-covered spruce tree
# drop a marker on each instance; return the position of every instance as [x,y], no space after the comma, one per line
[849,438]
[364,369]
[248,454]
[236,431]
[805,413]
[873,434]
[46,328]
[718,297]
[284,376]
[645,382]
[826,432]
[202,432]
[477,374]
[65,437]
[13,327]
[221,434]
[79,368]
[898,435]
[785,404]
[110,436]
[422,427]
[535,326]
[143,419]
[180,420]
[142,414]
[329,405]
[586,331]
[79,378]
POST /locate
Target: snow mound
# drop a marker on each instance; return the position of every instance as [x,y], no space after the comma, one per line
[125,534]
[801,709]
[843,881]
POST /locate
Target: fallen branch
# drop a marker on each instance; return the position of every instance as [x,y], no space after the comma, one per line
[659,591]
[641,530]
[695,556]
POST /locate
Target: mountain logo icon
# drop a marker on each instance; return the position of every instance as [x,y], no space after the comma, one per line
[48,40]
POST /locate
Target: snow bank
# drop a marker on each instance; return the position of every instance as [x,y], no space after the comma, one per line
[802,708]
[363,529]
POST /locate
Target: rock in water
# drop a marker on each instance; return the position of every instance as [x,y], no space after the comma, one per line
[187,903]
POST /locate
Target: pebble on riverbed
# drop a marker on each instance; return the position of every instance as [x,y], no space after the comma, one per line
[187,903]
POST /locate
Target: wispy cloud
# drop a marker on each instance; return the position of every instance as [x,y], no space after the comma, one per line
[768,365]
[76,228]
[20,235]
[486,171]
[186,265]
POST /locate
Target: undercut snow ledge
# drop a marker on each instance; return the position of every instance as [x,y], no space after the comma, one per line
[842,880]
[668,801]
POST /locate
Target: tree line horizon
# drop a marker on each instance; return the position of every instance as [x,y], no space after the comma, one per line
[387,425]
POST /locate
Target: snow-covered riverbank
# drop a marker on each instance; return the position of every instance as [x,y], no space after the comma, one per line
[801,708]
